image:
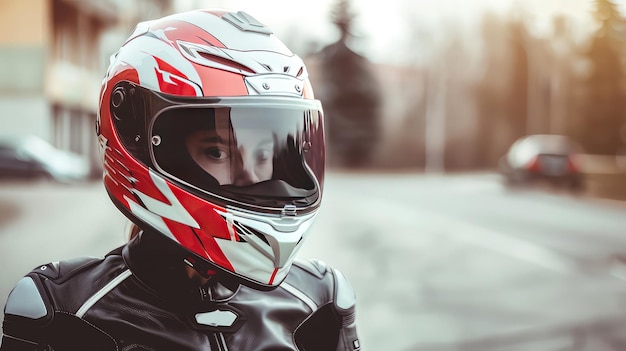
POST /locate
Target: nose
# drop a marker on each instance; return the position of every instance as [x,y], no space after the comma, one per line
[245,177]
[244,173]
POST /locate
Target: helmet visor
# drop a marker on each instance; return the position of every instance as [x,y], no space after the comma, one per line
[268,154]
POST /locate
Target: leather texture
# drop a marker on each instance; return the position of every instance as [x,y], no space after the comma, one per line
[135,298]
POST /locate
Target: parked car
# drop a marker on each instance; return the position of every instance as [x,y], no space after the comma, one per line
[29,157]
[550,157]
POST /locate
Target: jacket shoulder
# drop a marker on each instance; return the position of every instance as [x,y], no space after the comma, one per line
[32,313]
[333,303]
[322,283]
[28,299]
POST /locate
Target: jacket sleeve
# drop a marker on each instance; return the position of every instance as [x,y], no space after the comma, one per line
[345,307]
[26,314]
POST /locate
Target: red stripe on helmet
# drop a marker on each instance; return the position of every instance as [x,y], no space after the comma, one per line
[181,30]
[273,276]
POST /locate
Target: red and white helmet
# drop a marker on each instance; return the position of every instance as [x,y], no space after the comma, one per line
[211,136]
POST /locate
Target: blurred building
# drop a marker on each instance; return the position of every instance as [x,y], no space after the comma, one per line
[53,55]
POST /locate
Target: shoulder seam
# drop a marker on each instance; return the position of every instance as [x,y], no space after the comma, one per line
[314,267]
[53,272]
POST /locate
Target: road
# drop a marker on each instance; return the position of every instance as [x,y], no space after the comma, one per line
[452,262]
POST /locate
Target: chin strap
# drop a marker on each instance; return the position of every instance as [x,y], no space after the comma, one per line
[205,270]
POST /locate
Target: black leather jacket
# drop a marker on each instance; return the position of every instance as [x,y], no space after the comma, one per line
[135,299]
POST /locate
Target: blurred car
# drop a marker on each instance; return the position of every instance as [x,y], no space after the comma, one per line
[550,157]
[29,157]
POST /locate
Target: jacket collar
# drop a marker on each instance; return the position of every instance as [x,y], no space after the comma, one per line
[159,264]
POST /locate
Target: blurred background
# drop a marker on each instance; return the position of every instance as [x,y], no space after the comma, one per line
[476,157]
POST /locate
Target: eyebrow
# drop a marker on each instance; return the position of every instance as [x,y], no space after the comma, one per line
[212,139]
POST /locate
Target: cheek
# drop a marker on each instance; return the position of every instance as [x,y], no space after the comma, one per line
[265,170]
[221,172]
[223,177]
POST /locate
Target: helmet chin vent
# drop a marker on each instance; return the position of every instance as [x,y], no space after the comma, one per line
[241,228]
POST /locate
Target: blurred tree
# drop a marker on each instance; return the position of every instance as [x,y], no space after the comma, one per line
[518,94]
[563,82]
[457,74]
[501,96]
[604,106]
[352,97]
[404,143]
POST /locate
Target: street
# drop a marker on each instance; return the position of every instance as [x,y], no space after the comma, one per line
[455,262]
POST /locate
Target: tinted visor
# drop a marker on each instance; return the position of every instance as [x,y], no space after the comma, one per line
[258,152]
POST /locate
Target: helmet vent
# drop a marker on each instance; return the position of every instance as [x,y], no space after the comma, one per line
[225,62]
[250,231]
[266,66]
[246,23]
[186,49]
[300,72]
[211,56]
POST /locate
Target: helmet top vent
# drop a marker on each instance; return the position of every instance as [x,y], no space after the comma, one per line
[246,23]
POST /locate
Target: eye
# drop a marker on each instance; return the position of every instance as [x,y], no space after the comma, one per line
[215,153]
[264,154]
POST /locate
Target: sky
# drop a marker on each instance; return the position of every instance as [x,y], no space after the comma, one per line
[383,28]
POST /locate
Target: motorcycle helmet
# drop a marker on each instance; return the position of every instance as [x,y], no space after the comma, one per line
[211,137]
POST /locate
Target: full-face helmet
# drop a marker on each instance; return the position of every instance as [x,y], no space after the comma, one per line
[211,136]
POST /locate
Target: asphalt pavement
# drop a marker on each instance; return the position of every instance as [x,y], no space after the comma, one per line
[454,262]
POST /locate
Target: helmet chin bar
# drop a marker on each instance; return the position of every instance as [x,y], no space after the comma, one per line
[202,266]
[277,238]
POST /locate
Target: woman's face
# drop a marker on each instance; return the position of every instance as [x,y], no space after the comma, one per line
[251,161]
